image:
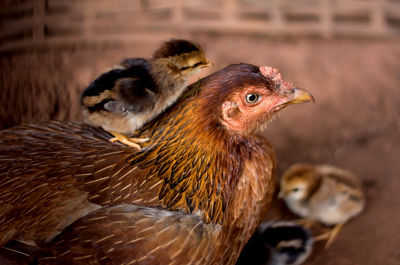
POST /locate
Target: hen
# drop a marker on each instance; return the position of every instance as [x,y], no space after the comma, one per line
[194,194]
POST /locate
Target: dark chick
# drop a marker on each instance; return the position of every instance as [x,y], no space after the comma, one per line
[193,194]
[277,243]
[126,97]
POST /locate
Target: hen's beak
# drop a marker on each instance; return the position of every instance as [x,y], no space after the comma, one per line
[281,194]
[293,96]
[301,95]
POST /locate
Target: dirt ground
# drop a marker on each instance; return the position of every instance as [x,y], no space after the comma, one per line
[354,124]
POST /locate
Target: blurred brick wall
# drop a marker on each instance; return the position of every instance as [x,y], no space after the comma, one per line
[59,23]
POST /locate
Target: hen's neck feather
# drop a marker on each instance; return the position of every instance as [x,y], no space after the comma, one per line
[199,160]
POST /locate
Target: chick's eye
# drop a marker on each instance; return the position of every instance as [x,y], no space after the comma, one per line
[252,98]
[295,190]
[196,64]
[192,66]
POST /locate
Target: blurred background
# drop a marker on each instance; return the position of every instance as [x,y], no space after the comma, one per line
[346,52]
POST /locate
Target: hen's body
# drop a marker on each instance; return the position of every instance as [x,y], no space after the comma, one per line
[55,194]
[194,193]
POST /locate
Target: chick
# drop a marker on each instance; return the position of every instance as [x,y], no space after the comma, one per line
[123,99]
[277,243]
[322,193]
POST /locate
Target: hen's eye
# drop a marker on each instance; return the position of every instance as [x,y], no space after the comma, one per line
[252,98]
[295,190]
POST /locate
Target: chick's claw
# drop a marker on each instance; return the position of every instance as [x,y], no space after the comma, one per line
[133,142]
[329,236]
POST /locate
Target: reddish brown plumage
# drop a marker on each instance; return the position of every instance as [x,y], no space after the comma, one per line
[195,179]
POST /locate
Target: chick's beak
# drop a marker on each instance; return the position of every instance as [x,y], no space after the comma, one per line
[207,64]
[281,194]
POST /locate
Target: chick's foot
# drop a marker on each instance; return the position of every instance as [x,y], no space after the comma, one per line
[329,236]
[133,142]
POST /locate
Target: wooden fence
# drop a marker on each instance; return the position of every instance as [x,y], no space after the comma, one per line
[46,23]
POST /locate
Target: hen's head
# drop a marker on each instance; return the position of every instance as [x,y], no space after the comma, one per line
[248,96]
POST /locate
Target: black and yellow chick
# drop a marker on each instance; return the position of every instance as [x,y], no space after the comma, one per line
[123,99]
[277,243]
[322,193]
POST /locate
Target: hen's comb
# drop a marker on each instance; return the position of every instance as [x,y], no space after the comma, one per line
[270,72]
[276,77]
